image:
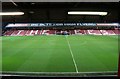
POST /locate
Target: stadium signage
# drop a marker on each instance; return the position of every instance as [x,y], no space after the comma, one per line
[59,24]
[18,25]
[86,24]
[110,24]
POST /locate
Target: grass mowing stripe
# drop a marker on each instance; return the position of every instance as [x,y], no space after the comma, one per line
[72,54]
[48,52]
[11,60]
[90,53]
[84,55]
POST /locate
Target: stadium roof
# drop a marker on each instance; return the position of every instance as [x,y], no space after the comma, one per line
[58,12]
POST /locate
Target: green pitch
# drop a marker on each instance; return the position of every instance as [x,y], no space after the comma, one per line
[82,53]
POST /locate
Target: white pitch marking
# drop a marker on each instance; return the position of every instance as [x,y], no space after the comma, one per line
[72,55]
[58,72]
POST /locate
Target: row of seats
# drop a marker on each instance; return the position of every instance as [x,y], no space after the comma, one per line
[99,32]
[27,32]
[49,32]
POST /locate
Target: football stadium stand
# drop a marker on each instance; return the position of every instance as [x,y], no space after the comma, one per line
[54,32]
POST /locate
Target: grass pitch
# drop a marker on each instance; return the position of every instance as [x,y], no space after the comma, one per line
[82,53]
